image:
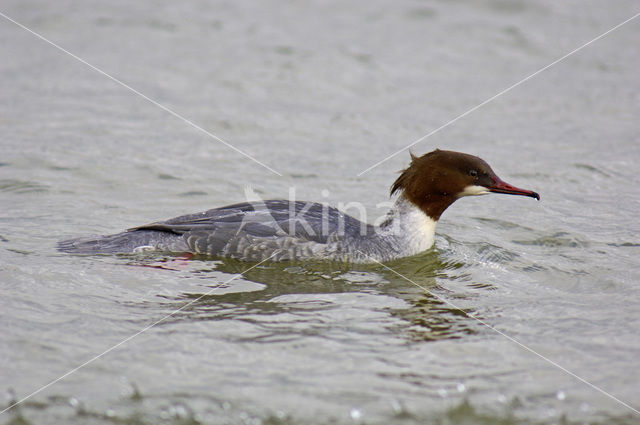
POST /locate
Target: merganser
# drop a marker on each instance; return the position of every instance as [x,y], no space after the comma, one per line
[282,230]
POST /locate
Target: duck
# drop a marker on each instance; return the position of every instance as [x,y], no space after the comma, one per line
[292,230]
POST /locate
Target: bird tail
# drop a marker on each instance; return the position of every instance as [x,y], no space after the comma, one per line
[119,243]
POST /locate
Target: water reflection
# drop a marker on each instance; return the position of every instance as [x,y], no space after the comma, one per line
[295,294]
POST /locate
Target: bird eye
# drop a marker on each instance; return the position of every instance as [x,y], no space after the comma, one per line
[473,173]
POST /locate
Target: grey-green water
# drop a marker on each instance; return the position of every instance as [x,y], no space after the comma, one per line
[319,91]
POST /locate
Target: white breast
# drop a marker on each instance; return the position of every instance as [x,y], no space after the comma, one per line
[413,229]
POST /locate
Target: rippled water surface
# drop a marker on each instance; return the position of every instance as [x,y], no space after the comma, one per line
[524,312]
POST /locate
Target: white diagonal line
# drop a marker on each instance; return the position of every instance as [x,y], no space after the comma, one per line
[464,114]
[531,350]
[159,105]
[129,338]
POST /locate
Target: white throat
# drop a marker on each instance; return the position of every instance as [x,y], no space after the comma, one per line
[473,190]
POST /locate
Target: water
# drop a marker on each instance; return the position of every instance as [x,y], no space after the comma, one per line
[319,92]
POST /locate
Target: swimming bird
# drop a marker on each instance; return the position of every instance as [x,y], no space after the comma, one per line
[282,230]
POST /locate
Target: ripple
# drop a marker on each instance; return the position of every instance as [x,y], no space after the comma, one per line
[625,244]
[482,285]
[556,240]
[535,268]
[21,186]
[500,224]
[591,169]
[194,193]
[165,176]
[495,254]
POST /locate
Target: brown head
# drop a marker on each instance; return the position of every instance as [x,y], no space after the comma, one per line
[435,180]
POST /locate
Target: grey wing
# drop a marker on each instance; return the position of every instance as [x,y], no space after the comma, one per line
[241,229]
